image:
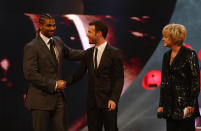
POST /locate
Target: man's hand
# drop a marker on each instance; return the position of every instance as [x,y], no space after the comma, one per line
[160,109]
[190,110]
[61,84]
[111,105]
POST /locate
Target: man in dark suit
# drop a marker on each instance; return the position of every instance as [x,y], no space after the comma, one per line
[106,77]
[42,66]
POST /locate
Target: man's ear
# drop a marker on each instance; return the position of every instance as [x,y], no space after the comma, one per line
[40,26]
[99,33]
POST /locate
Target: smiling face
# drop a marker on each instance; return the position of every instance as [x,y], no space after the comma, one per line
[48,27]
[167,41]
[92,35]
[174,35]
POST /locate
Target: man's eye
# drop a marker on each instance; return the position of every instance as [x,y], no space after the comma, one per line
[50,25]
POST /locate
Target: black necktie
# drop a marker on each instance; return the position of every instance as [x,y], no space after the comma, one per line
[51,42]
[95,59]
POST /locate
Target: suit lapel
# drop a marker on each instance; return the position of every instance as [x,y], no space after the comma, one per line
[45,50]
[177,58]
[104,56]
[59,51]
[91,60]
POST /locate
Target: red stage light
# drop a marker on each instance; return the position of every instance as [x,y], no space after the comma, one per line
[199,54]
[188,46]
[5,64]
[9,85]
[200,79]
[151,80]
[4,79]
[24,97]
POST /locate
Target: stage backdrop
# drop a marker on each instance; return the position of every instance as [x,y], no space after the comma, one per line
[134,27]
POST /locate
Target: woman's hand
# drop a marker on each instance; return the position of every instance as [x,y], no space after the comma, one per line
[160,109]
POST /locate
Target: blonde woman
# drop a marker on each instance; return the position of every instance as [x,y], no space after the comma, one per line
[180,84]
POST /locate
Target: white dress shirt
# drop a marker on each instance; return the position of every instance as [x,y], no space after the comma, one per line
[101,49]
[46,40]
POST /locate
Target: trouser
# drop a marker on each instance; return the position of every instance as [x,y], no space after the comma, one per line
[50,120]
[181,125]
[97,118]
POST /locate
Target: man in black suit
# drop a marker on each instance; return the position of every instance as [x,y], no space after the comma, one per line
[106,77]
[42,66]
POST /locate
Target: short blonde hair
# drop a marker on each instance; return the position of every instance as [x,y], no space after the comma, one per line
[176,33]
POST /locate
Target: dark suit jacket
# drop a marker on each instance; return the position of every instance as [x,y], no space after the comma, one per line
[42,71]
[180,86]
[104,83]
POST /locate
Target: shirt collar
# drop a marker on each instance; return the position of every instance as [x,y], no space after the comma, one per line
[44,38]
[102,46]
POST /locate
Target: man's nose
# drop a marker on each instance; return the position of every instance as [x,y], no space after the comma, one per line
[52,27]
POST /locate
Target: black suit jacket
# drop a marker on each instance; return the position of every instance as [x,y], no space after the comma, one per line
[180,86]
[42,71]
[104,83]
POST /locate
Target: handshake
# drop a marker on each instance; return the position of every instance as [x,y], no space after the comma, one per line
[61,85]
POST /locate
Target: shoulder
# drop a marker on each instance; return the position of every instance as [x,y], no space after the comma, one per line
[113,50]
[189,53]
[32,44]
[89,49]
[188,50]
[57,38]
[32,47]
[60,42]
